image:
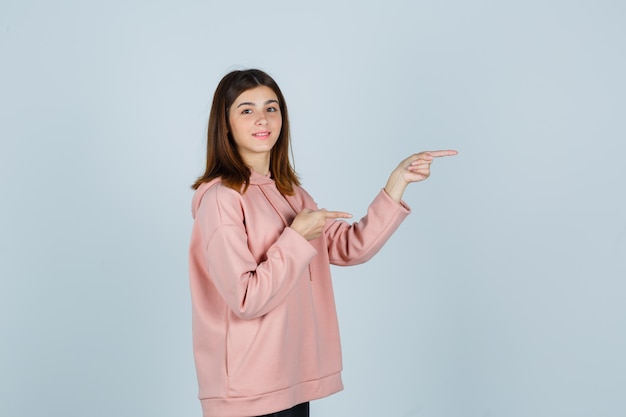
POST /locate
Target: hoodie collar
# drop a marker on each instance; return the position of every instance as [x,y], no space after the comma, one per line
[259,179]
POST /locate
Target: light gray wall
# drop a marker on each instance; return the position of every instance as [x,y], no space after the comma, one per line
[501,295]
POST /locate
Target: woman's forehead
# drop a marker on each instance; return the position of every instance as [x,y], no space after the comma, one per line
[256,95]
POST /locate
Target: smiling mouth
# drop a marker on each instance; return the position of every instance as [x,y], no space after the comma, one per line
[261,135]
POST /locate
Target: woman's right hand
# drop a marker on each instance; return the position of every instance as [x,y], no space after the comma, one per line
[310,223]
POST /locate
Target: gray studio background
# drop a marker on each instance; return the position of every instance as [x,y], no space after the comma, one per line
[501,295]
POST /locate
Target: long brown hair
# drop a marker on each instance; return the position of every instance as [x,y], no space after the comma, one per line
[222,158]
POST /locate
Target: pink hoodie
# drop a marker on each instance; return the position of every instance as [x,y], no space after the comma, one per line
[265,329]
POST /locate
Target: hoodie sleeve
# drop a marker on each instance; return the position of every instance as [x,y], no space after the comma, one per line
[249,288]
[352,244]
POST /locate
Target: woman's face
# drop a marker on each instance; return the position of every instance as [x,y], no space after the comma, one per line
[255,123]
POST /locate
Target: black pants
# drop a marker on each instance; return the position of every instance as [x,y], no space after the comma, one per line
[300,410]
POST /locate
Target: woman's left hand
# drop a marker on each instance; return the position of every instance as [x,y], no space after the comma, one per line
[415,168]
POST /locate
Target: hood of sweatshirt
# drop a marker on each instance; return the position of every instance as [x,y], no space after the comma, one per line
[256,179]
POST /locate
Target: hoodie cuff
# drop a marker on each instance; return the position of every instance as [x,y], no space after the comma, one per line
[390,200]
[296,240]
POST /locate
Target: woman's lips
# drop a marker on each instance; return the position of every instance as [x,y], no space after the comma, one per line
[261,135]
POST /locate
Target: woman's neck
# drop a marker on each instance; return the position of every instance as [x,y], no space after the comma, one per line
[259,164]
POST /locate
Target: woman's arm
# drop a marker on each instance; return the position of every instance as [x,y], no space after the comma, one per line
[253,289]
[358,242]
[251,286]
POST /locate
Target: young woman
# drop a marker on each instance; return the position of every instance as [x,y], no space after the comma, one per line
[265,331]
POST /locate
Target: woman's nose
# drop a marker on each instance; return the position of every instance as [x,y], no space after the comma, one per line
[262,121]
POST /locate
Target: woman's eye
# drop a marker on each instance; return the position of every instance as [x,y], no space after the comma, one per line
[272,109]
[246,111]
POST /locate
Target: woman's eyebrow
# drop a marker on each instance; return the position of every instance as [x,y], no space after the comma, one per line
[249,103]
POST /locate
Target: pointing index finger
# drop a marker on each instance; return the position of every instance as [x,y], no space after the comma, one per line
[337,214]
[439,154]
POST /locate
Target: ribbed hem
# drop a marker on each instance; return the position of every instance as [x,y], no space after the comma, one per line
[273,401]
